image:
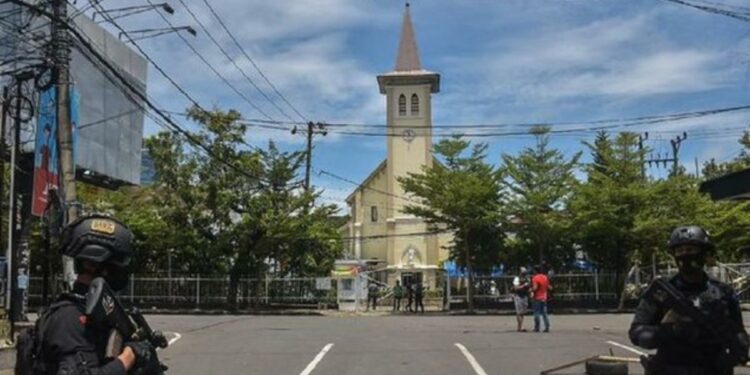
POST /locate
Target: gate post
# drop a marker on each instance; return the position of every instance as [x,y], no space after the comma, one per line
[596,283]
[447,293]
[198,291]
[266,292]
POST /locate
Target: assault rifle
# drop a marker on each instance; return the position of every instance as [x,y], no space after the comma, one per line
[730,334]
[105,309]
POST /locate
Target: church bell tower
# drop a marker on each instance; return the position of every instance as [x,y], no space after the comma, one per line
[408,90]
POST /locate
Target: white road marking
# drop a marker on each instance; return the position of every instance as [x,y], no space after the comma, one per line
[472,361]
[628,348]
[316,360]
[174,339]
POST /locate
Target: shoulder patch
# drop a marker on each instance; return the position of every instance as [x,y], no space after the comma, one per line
[103,226]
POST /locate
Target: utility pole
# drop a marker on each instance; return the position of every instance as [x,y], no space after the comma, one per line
[642,138]
[675,150]
[3,126]
[18,260]
[676,143]
[312,130]
[697,168]
[12,259]
[61,46]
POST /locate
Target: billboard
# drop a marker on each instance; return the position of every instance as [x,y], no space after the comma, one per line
[110,128]
[110,124]
[46,154]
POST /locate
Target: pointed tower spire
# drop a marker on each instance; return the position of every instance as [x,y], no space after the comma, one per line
[408,54]
[408,70]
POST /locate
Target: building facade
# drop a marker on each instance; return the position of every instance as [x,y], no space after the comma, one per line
[379,230]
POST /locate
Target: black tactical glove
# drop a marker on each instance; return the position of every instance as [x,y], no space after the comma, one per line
[146,360]
[158,340]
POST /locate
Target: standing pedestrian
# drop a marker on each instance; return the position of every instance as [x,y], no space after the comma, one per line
[372,295]
[540,288]
[521,286]
[409,296]
[418,297]
[398,294]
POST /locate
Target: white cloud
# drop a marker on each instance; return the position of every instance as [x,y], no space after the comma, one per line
[617,59]
[301,47]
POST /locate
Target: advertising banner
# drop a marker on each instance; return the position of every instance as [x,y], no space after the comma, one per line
[46,156]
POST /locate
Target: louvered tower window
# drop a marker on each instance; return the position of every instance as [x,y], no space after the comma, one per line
[402,105]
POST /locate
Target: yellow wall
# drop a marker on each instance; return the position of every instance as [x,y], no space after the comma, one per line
[383,191]
[404,156]
[374,248]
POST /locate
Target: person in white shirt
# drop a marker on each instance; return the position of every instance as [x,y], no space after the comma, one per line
[521,285]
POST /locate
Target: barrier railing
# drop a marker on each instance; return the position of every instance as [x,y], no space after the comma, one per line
[583,286]
[206,291]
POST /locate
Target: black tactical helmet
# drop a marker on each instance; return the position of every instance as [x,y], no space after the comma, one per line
[690,235]
[98,238]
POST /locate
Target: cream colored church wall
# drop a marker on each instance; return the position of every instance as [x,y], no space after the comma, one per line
[444,241]
[401,241]
[408,156]
[371,196]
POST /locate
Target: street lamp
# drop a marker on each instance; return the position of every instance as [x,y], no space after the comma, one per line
[151,33]
[115,13]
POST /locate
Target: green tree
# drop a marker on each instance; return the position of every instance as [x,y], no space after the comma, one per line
[606,207]
[239,220]
[540,181]
[714,168]
[463,195]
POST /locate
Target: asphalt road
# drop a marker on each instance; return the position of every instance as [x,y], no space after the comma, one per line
[407,344]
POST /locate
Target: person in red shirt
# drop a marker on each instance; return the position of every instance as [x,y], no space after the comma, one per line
[540,288]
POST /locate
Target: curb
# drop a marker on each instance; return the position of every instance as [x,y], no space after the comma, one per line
[234,312]
[337,313]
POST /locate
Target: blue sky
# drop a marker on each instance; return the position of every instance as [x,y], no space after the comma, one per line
[503,61]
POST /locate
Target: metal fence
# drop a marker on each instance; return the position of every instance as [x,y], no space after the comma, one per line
[196,291]
[200,291]
[567,287]
[736,275]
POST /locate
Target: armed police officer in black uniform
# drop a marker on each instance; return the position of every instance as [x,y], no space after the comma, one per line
[690,345]
[70,342]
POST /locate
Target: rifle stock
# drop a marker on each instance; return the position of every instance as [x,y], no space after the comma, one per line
[729,333]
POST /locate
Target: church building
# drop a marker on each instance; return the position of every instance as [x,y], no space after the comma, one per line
[378,229]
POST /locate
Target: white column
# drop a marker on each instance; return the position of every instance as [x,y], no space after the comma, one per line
[358,241]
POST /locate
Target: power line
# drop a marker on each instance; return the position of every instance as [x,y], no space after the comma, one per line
[742,16]
[252,62]
[344,179]
[91,52]
[229,57]
[213,69]
[113,117]
[618,122]
[615,123]
[161,71]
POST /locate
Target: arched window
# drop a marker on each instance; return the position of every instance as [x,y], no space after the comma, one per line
[402,105]
[414,105]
